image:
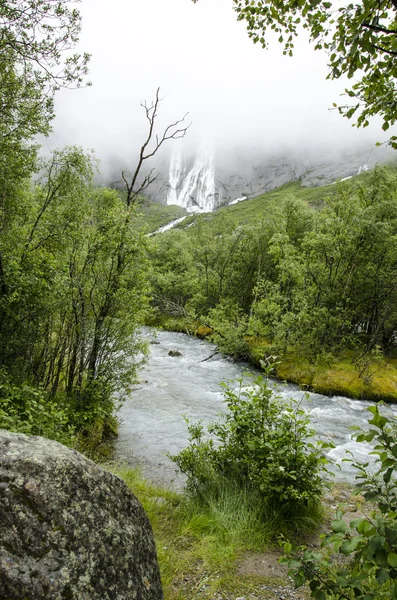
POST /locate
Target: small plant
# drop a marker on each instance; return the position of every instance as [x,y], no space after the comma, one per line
[368,545]
[367,363]
[262,445]
[29,410]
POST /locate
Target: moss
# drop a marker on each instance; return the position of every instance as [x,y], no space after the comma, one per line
[203,331]
[338,382]
[295,371]
[179,325]
[339,379]
[384,388]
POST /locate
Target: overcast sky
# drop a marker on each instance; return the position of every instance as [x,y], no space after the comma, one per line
[236,93]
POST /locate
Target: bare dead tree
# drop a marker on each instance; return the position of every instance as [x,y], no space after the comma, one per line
[151,146]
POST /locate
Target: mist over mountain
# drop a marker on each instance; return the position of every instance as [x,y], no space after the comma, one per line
[209,177]
[266,118]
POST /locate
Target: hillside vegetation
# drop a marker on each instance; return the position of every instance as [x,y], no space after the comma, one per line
[304,277]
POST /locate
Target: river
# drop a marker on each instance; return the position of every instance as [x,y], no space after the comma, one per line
[152,417]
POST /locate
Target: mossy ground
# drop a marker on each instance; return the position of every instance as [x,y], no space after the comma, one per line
[340,378]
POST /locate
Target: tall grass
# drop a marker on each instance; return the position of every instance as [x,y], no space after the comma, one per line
[200,537]
[237,514]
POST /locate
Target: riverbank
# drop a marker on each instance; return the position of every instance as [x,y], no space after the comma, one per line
[207,556]
[375,381]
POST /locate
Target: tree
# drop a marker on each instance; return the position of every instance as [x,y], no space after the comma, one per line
[150,147]
[36,37]
[360,39]
[74,285]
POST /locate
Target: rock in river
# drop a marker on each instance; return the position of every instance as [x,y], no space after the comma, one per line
[69,529]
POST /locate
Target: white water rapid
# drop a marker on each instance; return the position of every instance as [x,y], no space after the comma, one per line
[193,186]
[171,387]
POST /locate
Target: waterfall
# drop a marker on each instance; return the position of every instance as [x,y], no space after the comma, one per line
[363,168]
[193,187]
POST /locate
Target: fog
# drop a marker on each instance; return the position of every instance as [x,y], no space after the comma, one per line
[237,94]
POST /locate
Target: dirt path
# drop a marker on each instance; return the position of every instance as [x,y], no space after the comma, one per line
[268,578]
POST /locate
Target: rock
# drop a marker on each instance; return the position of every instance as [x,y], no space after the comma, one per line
[205,181]
[68,529]
[155,342]
[174,353]
[344,495]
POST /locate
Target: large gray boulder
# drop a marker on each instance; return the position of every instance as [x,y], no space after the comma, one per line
[68,529]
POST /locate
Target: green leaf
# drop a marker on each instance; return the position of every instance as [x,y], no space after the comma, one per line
[350,545]
[392,559]
[339,526]
[287,548]
[382,576]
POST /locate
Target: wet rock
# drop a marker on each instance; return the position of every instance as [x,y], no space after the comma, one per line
[69,529]
[253,172]
[155,342]
[174,353]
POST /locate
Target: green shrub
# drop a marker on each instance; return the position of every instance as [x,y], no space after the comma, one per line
[29,410]
[368,545]
[262,444]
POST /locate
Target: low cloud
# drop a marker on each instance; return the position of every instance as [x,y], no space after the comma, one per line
[238,96]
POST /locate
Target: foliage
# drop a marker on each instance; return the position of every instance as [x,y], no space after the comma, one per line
[369,543]
[318,284]
[263,445]
[28,410]
[230,334]
[335,288]
[36,37]
[360,38]
[74,288]
[74,283]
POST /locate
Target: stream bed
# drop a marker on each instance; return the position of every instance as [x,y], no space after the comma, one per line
[171,387]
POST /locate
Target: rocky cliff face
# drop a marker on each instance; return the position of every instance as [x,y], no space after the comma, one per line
[68,529]
[204,181]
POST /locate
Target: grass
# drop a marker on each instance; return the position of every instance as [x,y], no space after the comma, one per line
[341,378]
[200,543]
[259,208]
[155,215]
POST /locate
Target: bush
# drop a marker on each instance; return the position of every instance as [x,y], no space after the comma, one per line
[262,444]
[29,410]
[368,545]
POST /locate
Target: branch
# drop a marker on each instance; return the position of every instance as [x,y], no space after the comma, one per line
[392,52]
[378,28]
[172,132]
[148,180]
[168,134]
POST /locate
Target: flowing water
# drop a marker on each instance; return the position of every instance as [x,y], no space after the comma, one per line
[172,387]
[193,187]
